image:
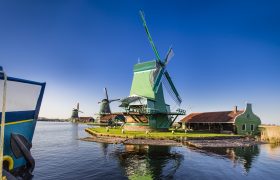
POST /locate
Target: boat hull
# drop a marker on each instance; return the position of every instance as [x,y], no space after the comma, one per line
[23,102]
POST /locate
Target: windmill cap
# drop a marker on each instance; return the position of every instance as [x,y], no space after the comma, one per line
[1,68]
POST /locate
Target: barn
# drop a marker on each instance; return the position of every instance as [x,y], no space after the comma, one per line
[235,121]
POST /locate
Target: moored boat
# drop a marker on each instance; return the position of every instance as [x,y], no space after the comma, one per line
[20,108]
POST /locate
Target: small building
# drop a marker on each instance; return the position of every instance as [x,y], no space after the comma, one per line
[86,119]
[111,118]
[235,121]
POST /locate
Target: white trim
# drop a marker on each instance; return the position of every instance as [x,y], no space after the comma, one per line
[251,127]
[238,116]
[137,72]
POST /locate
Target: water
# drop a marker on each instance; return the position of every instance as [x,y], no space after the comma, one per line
[60,155]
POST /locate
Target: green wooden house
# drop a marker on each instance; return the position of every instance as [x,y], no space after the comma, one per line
[241,122]
[247,122]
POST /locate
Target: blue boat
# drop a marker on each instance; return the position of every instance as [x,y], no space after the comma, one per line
[22,106]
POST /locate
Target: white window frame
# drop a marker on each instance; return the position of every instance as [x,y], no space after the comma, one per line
[244,126]
[253,127]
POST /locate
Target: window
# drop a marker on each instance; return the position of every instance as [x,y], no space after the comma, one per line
[244,127]
[252,127]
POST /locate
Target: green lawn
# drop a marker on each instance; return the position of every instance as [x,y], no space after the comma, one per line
[154,135]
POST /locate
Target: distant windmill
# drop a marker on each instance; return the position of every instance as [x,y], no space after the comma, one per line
[76,111]
[105,104]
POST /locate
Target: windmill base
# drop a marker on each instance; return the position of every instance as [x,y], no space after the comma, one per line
[141,127]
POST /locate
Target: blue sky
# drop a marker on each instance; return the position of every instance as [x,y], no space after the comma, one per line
[226,52]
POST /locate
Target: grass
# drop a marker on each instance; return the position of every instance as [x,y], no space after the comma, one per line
[117,132]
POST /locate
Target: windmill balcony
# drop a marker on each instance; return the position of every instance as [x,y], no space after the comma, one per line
[181,111]
[154,111]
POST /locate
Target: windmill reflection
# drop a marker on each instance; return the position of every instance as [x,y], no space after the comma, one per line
[75,131]
[152,162]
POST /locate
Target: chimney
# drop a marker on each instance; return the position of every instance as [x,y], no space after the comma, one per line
[235,110]
[249,107]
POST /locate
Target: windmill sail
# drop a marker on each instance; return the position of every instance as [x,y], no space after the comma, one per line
[106,94]
[112,100]
[167,82]
[158,78]
[169,56]
[160,75]
[149,36]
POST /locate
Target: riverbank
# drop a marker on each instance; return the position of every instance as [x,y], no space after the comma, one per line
[52,120]
[225,143]
[196,139]
[129,141]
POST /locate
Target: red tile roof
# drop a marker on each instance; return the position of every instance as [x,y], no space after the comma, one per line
[107,117]
[212,117]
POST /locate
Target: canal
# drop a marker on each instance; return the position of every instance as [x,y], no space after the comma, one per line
[60,155]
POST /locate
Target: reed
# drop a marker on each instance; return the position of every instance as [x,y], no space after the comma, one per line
[270,133]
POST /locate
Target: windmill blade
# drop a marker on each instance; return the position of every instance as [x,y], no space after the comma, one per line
[149,35]
[158,79]
[169,56]
[114,100]
[171,88]
[106,94]
[78,106]
[81,111]
[154,73]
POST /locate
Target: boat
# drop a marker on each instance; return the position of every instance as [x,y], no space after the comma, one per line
[20,101]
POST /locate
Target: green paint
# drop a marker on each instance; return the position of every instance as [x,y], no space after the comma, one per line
[141,84]
[149,65]
[149,35]
[244,121]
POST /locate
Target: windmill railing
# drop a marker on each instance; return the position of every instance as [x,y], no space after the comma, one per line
[181,111]
[155,111]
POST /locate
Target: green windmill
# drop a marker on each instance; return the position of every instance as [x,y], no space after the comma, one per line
[145,108]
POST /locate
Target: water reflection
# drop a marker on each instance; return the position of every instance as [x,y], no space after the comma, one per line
[148,162]
[74,130]
[239,155]
[272,150]
[59,155]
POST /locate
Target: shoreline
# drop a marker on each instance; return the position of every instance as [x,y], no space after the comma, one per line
[198,142]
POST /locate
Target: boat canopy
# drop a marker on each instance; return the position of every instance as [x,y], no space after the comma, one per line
[23,97]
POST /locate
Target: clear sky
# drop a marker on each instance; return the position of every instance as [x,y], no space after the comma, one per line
[226,52]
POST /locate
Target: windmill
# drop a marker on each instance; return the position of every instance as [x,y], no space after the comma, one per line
[145,107]
[75,113]
[105,115]
[105,103]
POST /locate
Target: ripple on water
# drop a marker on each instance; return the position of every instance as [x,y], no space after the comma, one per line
[59,155]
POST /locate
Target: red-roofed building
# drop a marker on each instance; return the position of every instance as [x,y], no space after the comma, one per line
[223,121]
